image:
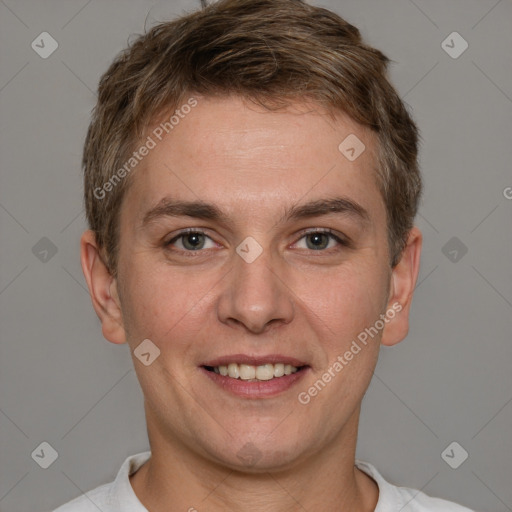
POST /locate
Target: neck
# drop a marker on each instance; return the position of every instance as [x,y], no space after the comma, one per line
[326,480]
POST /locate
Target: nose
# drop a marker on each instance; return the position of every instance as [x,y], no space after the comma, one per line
[255,295]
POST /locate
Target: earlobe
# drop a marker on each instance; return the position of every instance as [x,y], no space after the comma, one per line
[403,282]
[102,289]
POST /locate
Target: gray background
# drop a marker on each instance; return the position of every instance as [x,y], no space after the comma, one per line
[450,380]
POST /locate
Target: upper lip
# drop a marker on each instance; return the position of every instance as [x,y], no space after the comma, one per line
[254,360]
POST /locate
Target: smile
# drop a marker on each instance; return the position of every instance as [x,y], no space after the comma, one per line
[254,373]
[255,377]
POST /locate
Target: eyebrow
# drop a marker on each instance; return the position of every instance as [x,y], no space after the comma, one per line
[169,207]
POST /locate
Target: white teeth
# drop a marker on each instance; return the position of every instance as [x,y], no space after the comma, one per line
[247,372]
[265,372]
[250,372]
[233,371]
[278,370]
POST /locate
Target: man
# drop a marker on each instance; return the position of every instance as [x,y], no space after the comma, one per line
[251,183]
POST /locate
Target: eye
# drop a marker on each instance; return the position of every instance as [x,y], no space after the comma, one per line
[319,240]
[191,240]
[194,240]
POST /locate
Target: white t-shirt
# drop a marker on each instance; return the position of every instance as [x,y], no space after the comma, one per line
[118,496]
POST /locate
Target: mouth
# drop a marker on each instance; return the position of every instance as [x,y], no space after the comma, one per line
[251,373]
[255,377]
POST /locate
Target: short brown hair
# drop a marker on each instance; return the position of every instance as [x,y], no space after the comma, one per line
[268,51]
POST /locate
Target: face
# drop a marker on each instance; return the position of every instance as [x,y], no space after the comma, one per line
[250,242]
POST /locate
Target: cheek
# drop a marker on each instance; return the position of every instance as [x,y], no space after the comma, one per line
[166,303]
[346,299]
[342,307]
[338,302]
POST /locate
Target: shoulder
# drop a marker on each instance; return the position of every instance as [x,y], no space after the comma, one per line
[417,501]
[115,496]
[90,501]
[393,498]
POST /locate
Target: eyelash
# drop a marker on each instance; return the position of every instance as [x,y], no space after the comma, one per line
[341,241]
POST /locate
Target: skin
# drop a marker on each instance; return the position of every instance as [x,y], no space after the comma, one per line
[292,300]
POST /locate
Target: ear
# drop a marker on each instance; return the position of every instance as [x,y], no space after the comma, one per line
[102,288]
[403,281]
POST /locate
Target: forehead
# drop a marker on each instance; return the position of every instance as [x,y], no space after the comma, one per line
[247,159]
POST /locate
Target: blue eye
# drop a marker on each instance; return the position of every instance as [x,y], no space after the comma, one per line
[191,241]
[194,240]
[320,240]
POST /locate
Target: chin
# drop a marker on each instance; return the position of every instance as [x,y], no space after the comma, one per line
[258,454]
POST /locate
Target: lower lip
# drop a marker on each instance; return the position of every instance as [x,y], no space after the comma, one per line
[256,389]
